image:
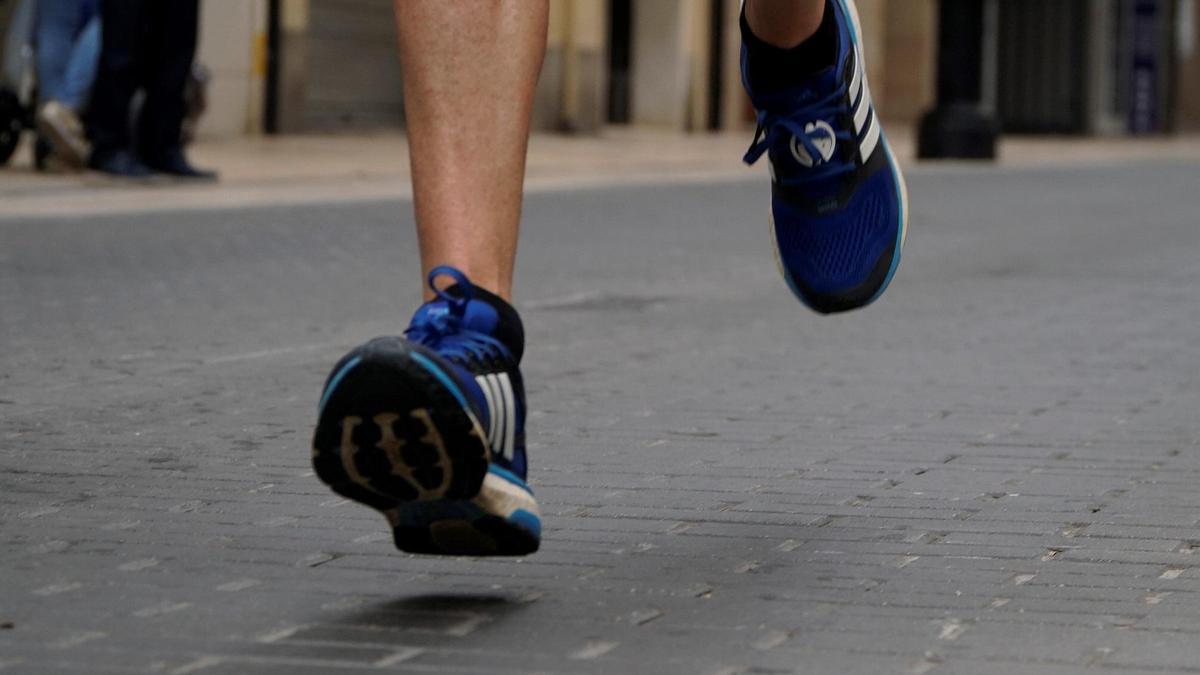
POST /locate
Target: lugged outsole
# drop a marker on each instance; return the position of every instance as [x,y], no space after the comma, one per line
[395,434]
[502,520]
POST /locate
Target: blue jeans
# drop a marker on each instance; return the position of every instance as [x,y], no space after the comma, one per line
[68,50]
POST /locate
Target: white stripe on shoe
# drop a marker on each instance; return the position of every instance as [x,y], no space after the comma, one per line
[864,107]
[510,413]
[866,119]
[856,80]
[502,412]
[499,411]
[491,404]
[871,140]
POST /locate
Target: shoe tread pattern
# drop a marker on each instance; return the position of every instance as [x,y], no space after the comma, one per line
[392,433]
[393,437]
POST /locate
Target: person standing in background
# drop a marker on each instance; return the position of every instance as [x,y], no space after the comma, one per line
[148,45]
[68,49]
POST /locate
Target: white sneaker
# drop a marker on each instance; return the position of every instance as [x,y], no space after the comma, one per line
[62,127]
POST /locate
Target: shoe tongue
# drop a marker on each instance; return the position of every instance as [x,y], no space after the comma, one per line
[485,313]
[793,158]
[804,92]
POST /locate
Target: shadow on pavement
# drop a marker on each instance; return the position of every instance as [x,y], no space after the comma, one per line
[451,614]
[386,633]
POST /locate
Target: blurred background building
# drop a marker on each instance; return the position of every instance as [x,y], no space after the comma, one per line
[1051,66]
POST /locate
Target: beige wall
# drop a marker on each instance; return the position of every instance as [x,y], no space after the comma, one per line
[670,63]
[573,85]
[233,47]
[660,63]
[874,40]
[908,60]
[899,44]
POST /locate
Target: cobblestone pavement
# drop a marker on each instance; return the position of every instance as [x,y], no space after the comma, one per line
[993,470]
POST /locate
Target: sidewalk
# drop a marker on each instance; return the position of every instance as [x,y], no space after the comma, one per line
[993,470]
[365,167]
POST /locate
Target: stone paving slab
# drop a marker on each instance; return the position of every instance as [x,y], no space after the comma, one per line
[993,470]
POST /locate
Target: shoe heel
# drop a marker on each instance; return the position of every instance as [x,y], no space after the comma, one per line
[393,433]
[502,520]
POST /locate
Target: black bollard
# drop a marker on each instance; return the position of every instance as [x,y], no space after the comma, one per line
[958,127]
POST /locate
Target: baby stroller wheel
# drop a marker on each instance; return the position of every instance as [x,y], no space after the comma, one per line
[11,124]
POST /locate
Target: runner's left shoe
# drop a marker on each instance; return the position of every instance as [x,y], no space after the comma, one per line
[429,429]
[839,206]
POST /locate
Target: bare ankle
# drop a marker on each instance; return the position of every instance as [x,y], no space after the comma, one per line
[784,23]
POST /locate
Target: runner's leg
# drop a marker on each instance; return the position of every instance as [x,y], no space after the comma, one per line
[429,428]
[470,69]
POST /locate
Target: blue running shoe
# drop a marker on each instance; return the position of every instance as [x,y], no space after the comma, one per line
[839,206]
[429,429]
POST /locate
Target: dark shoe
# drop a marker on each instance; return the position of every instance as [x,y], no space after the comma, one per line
[839,208]
[429,429]
[175,163]
[122,164]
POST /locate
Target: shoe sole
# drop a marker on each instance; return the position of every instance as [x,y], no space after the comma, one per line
[396,434]
[901,195]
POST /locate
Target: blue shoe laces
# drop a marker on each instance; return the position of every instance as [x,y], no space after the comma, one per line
[775,127]
[444,332]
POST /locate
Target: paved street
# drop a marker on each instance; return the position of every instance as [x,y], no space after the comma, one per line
[991,471]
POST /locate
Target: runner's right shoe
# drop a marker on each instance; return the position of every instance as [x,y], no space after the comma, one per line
[839,206]
[429,429]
